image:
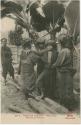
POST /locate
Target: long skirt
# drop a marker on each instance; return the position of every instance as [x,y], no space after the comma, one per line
[28,78]
[64,87]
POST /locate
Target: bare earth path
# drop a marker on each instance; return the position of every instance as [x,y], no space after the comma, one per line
[10,95]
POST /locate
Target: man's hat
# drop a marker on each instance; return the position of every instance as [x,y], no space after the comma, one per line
[3,40]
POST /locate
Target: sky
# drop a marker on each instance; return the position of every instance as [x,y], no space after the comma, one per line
[7,25]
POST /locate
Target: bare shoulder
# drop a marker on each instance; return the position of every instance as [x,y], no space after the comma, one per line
[65,50]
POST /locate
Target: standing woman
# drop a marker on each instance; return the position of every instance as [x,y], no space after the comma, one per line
[64,76]
[26,68]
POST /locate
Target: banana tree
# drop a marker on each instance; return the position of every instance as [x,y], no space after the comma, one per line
[15,11]
[51,14]
[41,16]
[72,16]
[48,17]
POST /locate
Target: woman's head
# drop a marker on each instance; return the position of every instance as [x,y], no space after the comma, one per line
[26,43]
[41,43]
[66,41]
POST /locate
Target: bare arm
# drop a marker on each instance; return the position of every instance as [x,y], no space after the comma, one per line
[19,68]
[60,59]
[49,48]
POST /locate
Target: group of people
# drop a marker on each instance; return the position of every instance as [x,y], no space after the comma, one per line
[41,77]
[53,79]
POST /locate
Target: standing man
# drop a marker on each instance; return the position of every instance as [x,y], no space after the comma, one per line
[28,60]
[40,47]
[6,60]
[43,67]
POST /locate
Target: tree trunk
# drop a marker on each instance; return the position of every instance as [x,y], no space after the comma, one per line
[17,109]
[38,106]
[14,84]
[51,110]
[54,105]
[17,54]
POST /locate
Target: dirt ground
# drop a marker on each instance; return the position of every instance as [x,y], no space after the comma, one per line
[10,95]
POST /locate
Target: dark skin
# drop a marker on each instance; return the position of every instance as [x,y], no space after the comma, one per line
[68,45]
[40,52]
[4,43]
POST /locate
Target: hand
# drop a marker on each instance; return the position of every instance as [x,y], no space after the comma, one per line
[50,42]
[53,66]
[49,48]
[32,50]
[18,73]
[28,51]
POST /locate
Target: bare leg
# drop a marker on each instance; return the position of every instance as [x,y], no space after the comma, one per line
[39,82]
[5,79]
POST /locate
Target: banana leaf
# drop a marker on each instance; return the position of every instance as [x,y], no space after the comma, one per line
[15,11]
[38,22]
[53,10]
[72,16]
[9,7]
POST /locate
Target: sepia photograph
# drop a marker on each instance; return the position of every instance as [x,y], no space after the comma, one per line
[40,60]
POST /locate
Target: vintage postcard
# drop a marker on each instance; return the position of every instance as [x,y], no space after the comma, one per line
[40,61]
